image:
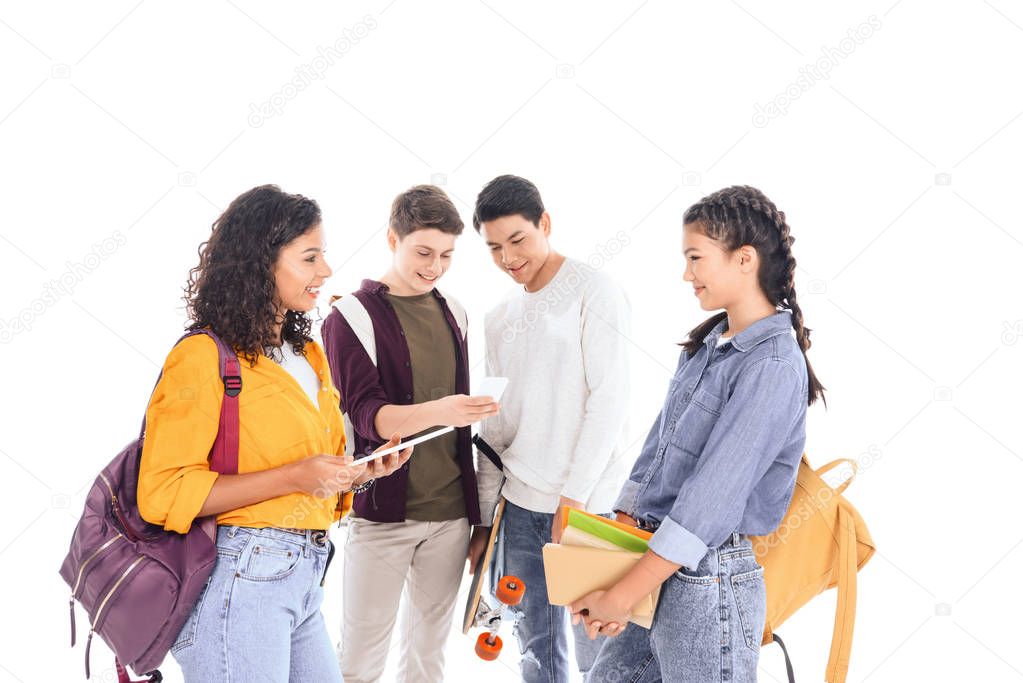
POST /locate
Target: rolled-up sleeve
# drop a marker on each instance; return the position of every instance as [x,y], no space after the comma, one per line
[755,422]
[181,425]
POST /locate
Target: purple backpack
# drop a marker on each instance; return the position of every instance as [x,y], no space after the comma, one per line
[137,581]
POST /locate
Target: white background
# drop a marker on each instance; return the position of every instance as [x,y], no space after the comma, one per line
[900,175]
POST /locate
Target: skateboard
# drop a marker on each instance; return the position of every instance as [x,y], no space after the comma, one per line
[478,613]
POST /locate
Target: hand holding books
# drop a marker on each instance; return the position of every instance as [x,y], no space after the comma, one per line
[595,553]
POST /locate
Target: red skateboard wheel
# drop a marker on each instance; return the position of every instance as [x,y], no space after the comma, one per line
[487,650]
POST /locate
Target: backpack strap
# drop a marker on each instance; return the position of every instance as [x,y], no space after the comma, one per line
[357,317]
[123,677]
[486,449]
[835,463]
[458,311]
[845,609]
[224,454]
[785,651]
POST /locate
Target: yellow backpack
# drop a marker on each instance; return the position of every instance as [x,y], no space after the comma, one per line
[821,543]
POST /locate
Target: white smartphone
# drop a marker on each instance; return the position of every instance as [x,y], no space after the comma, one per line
[493,387]
[403,445]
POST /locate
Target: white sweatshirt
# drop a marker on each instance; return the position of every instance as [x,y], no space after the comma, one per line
[563,417]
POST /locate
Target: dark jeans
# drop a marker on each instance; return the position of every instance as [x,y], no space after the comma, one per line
[541,628]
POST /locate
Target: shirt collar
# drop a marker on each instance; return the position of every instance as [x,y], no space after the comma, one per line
[761,330]
[374,287]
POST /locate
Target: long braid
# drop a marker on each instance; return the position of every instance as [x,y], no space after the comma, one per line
[789,300]
[741,215]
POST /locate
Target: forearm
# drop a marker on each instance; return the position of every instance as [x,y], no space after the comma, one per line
[644,578]
[233,491]
[405,420]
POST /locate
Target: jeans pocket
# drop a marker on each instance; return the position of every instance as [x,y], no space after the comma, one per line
[686,576]
[186,636]
[751,604]
[268,559]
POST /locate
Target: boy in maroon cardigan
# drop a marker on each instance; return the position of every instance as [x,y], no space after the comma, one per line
[397,352]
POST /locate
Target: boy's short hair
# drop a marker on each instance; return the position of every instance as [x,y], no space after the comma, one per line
[508,195]
[423,207]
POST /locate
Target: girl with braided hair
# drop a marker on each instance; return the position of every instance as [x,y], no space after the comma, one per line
[720,461]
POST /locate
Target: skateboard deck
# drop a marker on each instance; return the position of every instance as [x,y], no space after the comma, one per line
[472,606]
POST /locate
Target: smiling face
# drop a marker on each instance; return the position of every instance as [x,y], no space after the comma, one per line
[420,259]
[519,247]
[300,270]
[719,278]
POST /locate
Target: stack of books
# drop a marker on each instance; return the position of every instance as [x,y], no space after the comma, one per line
[594,554]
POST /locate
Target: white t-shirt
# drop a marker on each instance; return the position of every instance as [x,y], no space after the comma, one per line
[299,368]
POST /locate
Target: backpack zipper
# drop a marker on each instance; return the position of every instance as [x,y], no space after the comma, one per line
[103,604]
[117,511]
[78,581]
[107,482]
[81,570]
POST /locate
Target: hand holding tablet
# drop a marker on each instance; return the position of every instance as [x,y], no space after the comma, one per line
[461,409]
[390,447]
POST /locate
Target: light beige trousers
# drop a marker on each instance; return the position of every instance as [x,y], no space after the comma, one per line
[427,560]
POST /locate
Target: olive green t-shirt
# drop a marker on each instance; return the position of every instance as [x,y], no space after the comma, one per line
[435,479]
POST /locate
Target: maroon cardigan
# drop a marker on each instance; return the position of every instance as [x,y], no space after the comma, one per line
[365,388]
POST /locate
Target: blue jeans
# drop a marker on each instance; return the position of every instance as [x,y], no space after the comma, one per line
[258,619]
[708,625]
[541,628]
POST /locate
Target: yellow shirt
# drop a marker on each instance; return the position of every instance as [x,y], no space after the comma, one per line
[279,425]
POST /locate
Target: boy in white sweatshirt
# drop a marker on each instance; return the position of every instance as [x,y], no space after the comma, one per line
[562,342]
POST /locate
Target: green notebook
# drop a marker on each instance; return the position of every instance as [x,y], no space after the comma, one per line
[622,539]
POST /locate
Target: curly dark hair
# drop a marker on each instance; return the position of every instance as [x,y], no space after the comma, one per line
[741,215]
[231,290]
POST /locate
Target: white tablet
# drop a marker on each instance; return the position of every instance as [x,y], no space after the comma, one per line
[403,445]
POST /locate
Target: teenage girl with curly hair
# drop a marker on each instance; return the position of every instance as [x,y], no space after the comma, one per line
[258,278]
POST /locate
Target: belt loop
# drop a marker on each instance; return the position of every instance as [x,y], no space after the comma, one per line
[736,538]
[232,531]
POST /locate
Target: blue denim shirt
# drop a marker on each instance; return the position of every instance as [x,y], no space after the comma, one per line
[723,454]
